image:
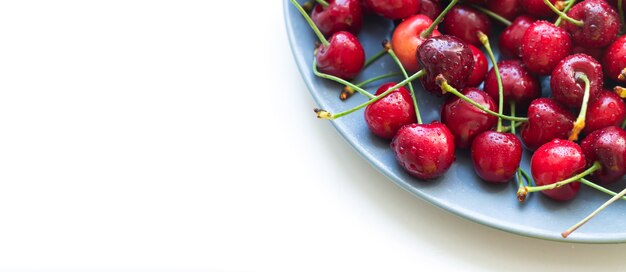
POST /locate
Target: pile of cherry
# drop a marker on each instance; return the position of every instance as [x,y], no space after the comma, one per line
[576,135]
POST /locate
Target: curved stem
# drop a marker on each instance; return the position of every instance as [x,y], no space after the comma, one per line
[340,81]
[485,41]
[580,120]
[563,15]
[306,16]
[521,190]
[323,114]
[569,5]
[509,128]
[582,222]
[598,187]
[322,2]
[376,78]
[446,88]
[375,57]
[413,96]
[492,14]
[426,33]
[593,168]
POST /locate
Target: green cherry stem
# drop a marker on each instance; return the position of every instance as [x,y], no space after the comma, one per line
[322,2]
[485,41]
[582,222]
[521,191]
[492,14]
[317,31]
[598,187]
[349,91]
[579,124]
[413,96]
[569,5]
[563,15]
[593,168]
[512,114]
[376,56]
[340,81]
[446,88]
[323,114]
[509,128]
[426,33]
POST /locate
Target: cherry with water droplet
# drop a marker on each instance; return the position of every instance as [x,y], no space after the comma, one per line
[386,116]
[464,22]
[464,120]
[608,147]
[518,84]
[547,120]
[448,56]
[543,46]
[556,161]
[339,15]
[496,156]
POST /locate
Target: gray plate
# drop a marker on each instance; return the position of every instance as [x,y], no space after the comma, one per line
[459,191]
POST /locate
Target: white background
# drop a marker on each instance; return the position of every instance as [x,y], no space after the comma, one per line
[179,136]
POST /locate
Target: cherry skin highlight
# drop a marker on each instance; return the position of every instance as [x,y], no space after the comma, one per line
[424,151]
[480,67]
[600,24]
[543,46]
[406,39]
[568,90]
[607,146]
[496,156]
[547,120]
[555,161]
[386,116]
[344,57]
[464,22]
[464,120]
[446,55]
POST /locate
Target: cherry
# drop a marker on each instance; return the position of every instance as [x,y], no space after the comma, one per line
[448,56]
[339,15]
[464,120]
[614,59]
[511,38]
[508,9]
[547,120]
[608,147]
[537,8]
[543,46]
[480,67]
[566,88]
[393,9]
[608,109]
[594,23]
[344,57]
[555,161]
[406,38]
[496,156]
[596,53]
[425,151]
[518,84]
[464,22]
[386,116]
[430,8]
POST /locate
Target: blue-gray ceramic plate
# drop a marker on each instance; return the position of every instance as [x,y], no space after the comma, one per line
[459,191]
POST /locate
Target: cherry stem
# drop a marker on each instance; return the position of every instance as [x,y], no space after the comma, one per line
[598,187]
[492,14]
[563,15]
[521,193]
[413,96]
[509,128]
[593,168]
[582,222]
[323,114]
[322,2]
[376,56]
[349,91]
[317,31]
[485,41]
[569,5]
[512,114]
[426,33]
[580,121]
[446,88]
[340,81]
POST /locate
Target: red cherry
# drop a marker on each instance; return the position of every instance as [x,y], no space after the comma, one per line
[464,120]
[537,8]
[517,83]
[509,9]
[614,59]
[430,8]
[600,23]
[480,67]
[555,161]
[596,53]
[569,91]
[343,57]
[496,156]
[543,46]
[511,38]
[393,9]
[464,22]
[425,151]
[607,146]
[547,120]
[608,109]
[386,116]
[340,15]
[406,39]
[446,55]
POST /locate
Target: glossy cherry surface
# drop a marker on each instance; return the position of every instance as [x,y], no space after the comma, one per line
[424,151]
[555,161]
[464,22]
[508,9]
[406,39]
[518,84]
[538,9]
[547,120]
[496,156]
[614,60]
[446,55]
[600,24]
[430,8]
[393,9]
[543,46]
[608,109]
[607,146]
[343,57]
[510,41]
[386,116]
[480,67]
[464,120]
[567,89]
[340,15]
